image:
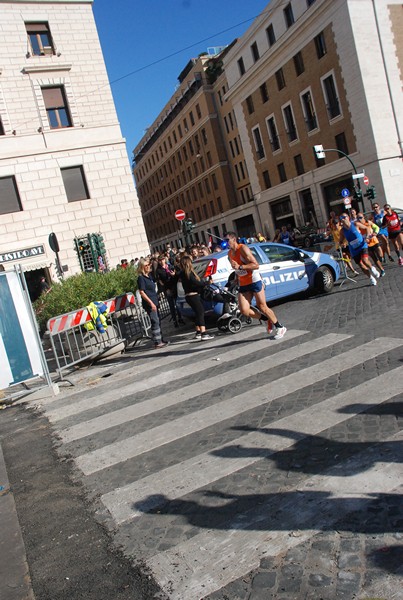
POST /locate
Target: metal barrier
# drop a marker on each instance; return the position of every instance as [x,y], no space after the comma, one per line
[72,343]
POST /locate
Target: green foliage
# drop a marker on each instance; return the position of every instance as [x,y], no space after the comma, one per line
[79,290]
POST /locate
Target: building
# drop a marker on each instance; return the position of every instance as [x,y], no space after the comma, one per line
[305,73]
[317,72]
[63,162]
[182,161]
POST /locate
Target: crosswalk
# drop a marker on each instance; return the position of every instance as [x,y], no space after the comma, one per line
[194,439]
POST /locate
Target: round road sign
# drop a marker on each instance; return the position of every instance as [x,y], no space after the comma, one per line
[345,192]
[366,180]
[180,214]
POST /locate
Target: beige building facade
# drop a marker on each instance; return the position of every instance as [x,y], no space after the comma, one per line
[64,167]
[319,72]
[306,73]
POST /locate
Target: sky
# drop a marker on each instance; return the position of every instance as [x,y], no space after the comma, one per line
[146,44]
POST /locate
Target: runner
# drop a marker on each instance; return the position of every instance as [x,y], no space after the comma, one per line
[251,286]
[392,222]
[358,246]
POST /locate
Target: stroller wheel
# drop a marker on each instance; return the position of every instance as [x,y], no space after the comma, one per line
[234,325]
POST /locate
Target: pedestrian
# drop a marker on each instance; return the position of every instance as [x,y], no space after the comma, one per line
[167,281]
[193,286]
[286,236]
[392,222]
[44,287]
[148,292]
[358,246]
[251,287]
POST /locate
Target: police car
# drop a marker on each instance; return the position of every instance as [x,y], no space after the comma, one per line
[285,271]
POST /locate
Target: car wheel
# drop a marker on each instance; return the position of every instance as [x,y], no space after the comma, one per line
[324,280]
[234,325]
[307,242]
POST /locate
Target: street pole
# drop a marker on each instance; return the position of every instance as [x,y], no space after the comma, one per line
[355,171]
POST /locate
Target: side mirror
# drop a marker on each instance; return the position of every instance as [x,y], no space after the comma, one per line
[300,256]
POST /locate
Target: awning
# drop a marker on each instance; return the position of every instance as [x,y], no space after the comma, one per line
[35,266]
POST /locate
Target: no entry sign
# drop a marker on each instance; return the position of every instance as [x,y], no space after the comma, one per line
[366,180]
[180,214]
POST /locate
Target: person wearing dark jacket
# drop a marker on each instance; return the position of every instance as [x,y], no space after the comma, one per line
[193,287]
[148,292]
[167,280]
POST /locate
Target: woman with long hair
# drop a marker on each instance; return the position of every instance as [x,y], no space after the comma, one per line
[148,292]
[193,286]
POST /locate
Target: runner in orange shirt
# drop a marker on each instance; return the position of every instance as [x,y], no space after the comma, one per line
[251,286]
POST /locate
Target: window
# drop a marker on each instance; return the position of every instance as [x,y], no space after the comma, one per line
[214,180]
[309,2]
[271,36]
[331,99]
[237,173]
[299,165]
[290,123]
[299,64]
[192,119]
[249,105]
[207,186]
[280,79]
[341,143]
[288,15]
[281,172]
[75,184]
[266,180]
[241,66]
[200,188]
[56,107]
[2,132]
[264,93]
[40,39]
[180,131]
[9,197]
[198,111]
[320,45]
[232,149]
[279,253]
[273,135]
[255,52]
[309,111]
[174,136]
[204,136]
[185,153]
[258,143]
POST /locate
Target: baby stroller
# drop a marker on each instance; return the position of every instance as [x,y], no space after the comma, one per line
[231,319]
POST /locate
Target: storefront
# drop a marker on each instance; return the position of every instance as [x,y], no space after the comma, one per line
[35,264]
[282,212]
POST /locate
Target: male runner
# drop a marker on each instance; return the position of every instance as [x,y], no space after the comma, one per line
[251,286]
[358,246]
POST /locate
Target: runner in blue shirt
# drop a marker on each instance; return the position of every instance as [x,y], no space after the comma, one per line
[358,247]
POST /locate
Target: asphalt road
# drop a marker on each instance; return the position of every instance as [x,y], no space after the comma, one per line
[241,468]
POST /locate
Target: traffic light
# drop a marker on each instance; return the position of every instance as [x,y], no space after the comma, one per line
[99,240]
[357,195]
[371,193]
[188,226]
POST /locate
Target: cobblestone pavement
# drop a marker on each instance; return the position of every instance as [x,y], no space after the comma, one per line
[248,469]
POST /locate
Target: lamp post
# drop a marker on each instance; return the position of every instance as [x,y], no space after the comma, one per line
[319,151]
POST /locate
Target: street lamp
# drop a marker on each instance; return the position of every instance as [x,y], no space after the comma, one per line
[320,151]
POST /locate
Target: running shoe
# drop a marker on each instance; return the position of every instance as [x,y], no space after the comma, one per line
[383,273]
[372,280]
[375,273]
[197,336]
[401,261]
[391,258]
[269,327]
[279,332]
[207,336]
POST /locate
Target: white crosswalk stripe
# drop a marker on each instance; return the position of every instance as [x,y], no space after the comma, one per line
[168,432]
[214,556]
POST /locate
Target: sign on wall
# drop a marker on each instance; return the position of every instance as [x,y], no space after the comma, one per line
[21,254]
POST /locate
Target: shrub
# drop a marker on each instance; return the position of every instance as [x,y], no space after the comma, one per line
[79,290]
